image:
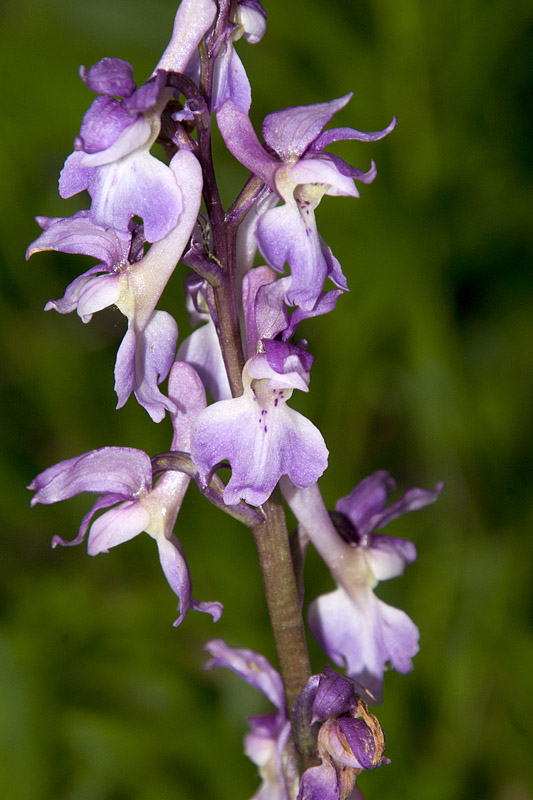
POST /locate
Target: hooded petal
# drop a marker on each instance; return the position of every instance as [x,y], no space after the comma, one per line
[291,131]
[104,121]
[112,76]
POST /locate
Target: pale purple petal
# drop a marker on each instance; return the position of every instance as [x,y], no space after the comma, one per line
[74,177]
[116,526]
[186,391]
[263,318]
[291,131]
[253,19]
[246,241]
[136,136]
[365,505]
[69,301]
[241,140]
[352,172]
[176,572]
[149,95]
[111,76]
[202,350]
[97,293]
[79,234]
[137,185]
[412,500]
[344,134]
[361,633]
[284,235]
[389,556]
[366,500]
[252,667]
[104,501]
[155,348]
[263,439]
[319,783]
[212,607]
[125,367]
[120,470]
[325,303]
[193,19]
[323,171]
[104,121]
[231,82]
[285,358]
[259,368]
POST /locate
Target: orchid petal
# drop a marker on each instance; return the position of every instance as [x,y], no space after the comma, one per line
[121,470]
[291,131]
[116,526]
[193,19]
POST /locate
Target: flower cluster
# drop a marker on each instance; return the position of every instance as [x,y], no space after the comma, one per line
[143,219]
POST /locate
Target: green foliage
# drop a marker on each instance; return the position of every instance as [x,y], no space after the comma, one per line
[424,369]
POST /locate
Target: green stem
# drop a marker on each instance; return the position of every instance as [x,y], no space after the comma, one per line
[272,542]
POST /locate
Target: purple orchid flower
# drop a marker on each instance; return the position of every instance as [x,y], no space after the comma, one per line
[350,739]
[148,348]
[292,164]
[124,476]
[111,157]
[99,287]
[356,629]
[260,436]
[247,19]
[267,742]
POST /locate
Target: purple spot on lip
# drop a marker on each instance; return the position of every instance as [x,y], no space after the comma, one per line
[276,401]
[265,428]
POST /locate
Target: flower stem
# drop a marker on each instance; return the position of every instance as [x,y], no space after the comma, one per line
[272,542]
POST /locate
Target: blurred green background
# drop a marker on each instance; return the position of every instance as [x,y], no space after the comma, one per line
[425,369]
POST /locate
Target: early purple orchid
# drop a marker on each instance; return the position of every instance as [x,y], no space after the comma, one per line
[260,436]
[292,164]
[268,741]
[148,348]
[350,739]
[111,157]
[124,476]
[356,629]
